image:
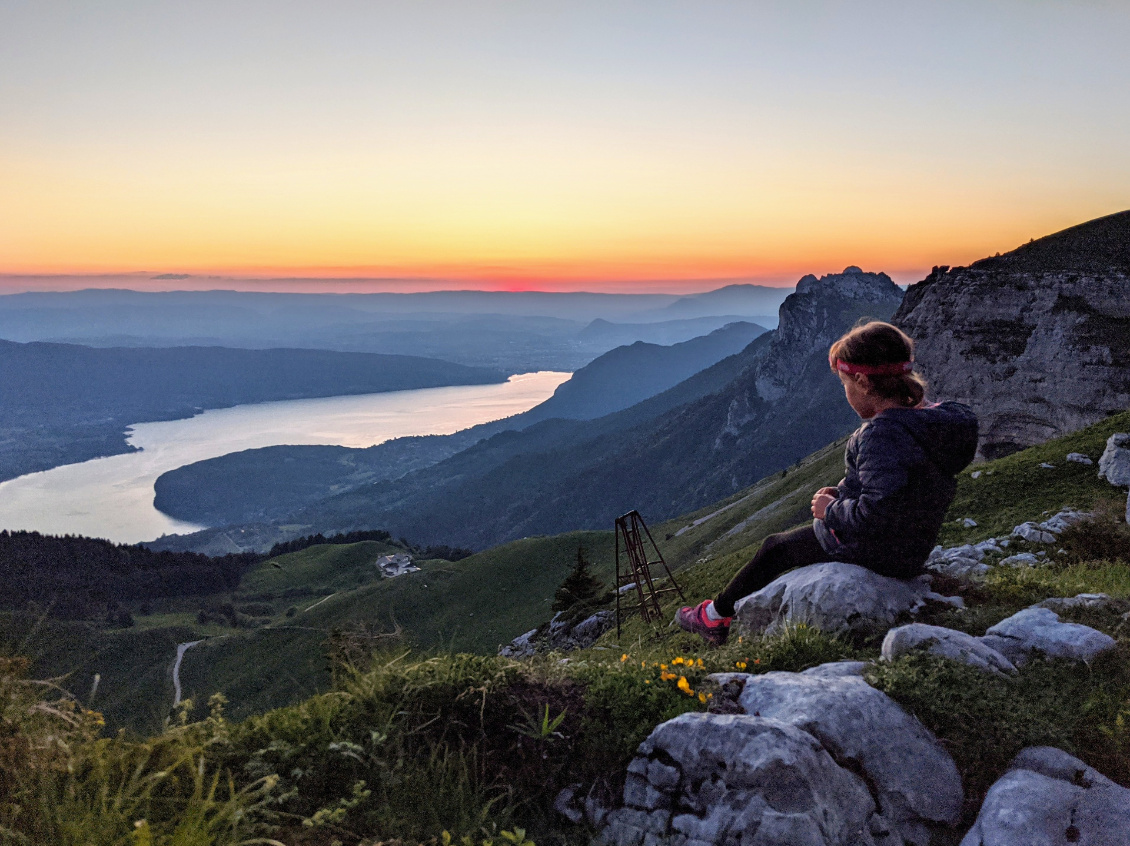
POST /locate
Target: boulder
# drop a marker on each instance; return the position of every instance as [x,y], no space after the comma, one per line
[1049,797]
[704,779]
[836,669]
[961,562]
[1079,458]
[914,780]
[1032,533]
[1020,559]
[562,635]
[945,643]
[1063,519]
[523,646]
[1114,465]
[1040,630]
[833,597]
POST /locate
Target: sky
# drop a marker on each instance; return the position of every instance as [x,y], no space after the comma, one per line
[619,146]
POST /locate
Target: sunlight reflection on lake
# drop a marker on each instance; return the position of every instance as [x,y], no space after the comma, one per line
[113,497]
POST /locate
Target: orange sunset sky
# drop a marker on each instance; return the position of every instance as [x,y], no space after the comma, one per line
[650,146]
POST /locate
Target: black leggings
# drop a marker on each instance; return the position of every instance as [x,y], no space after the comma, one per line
[784,551]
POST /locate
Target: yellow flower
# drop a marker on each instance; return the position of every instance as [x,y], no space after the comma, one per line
[623,657]
[666,676]
[699,663]
[678,659]
[685,686]
[647,681]
[702,698]
[741,665]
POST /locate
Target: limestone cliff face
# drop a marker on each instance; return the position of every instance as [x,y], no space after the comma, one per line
[1037,341]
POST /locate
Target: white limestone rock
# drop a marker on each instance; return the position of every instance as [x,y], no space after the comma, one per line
[1040,630]
[835,669]
[834,597]
[523,646]
[1063,519]
[969,523]
[1079,458]
[915,780]
[704,779]
[1032,533]
[959,562]
[1049,797]
[945,643]
[1020,559]
[1058,604]
[1114,465]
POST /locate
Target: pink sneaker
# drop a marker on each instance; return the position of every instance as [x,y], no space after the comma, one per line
[695,620]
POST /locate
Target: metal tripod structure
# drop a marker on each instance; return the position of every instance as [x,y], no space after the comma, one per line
[630,532]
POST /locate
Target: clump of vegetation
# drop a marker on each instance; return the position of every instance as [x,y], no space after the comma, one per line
[582,593]
[60,782]
[985,720]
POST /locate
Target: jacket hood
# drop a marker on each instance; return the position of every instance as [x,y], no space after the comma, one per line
[947,432]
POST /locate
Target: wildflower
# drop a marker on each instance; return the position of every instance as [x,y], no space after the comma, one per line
[702,698]
[685,686]
[756,660]
[699,663]
[678,659]
[647,681]
[663,666]
[623,657]
[666,676]
[741,665]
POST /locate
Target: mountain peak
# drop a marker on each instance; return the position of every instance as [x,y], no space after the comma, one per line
[853,283]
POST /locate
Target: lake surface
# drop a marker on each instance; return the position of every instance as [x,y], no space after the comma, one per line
[113,497]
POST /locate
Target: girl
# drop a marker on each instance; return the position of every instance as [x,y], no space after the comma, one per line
[900,466]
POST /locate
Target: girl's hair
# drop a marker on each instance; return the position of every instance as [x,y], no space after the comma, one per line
[874,343]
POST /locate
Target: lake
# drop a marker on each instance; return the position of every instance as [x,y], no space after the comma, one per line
[113,497]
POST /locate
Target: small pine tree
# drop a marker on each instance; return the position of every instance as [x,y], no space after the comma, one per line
[581,591]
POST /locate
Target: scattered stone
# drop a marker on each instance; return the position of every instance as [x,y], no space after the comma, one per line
[1059,604]
[992,546]
[1047,466]
[976,474]
[959,562]
[914,779]
[969,523]
[1049,797]
[1020,559]
[1114,465]
[1079,458]
[1040,630]
[945,643]
[1063,519]
[1032,533]
[703,779]
[834,597]
[561,635]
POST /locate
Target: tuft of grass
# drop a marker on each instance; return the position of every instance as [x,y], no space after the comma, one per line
[984,720]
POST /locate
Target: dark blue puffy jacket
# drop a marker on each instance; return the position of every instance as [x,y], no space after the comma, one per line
[899,483]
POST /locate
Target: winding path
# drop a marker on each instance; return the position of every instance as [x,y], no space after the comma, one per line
[181,649]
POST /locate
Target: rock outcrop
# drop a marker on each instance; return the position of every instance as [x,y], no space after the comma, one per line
[1039,630]
[1037,341]
[1047,797]
[560,635]
[834,597]
[817,758]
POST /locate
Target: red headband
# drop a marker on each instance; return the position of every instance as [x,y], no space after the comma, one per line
[897,368]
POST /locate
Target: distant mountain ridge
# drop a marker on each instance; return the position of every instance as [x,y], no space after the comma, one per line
[267,484]
[780,405]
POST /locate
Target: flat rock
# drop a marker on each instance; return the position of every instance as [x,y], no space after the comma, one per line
[914,779]
[1078,458]
[1063,519]
[704,779]
[1020,559]
[1032,533]
[834,597]
[1040,630]
[1114,465]
[945,643]
[1048,798]
[1059,604]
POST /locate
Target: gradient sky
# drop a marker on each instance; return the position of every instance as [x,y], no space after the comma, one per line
[553,144]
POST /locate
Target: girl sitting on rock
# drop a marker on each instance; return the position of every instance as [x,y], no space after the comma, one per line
[900,466]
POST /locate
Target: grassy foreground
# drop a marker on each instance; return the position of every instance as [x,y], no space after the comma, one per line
[402,738]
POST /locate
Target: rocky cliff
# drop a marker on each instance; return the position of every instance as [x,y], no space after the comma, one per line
[1036,340]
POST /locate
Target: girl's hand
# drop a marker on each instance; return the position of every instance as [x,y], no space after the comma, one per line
[820,503]
[832,492]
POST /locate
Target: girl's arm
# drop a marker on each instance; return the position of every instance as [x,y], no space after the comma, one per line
[886,453]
